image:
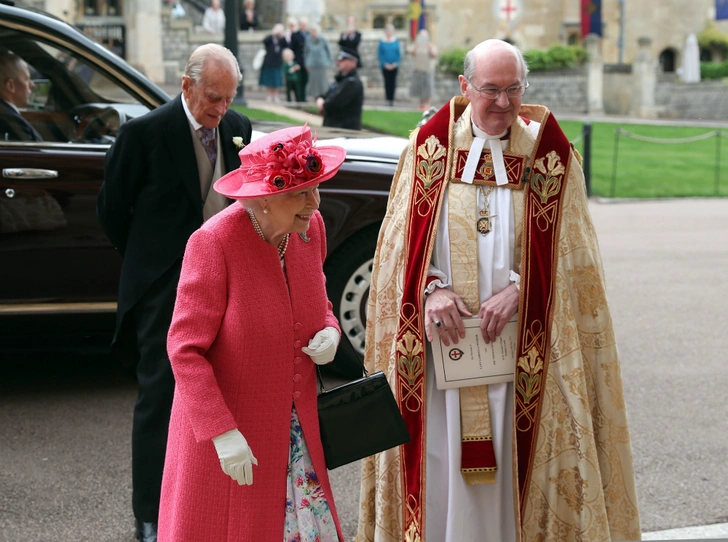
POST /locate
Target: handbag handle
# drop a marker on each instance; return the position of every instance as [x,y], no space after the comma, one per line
[322,388]
[359,358]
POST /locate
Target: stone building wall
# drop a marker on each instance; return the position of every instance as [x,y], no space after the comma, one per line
[700,101]
[562,91]
[542,23]
[617,78]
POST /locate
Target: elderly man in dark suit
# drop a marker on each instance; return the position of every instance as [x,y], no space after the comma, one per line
[15,88]
[156,192]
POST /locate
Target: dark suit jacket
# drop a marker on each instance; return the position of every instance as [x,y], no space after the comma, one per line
[15,126]
[244,24]
[297,45]
[150,202]
[351,42]
[343,102]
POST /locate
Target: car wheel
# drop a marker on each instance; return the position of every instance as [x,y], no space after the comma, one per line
[349,272]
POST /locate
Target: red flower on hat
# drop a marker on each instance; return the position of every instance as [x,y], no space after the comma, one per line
[289,164]
[314,164]
[279,178]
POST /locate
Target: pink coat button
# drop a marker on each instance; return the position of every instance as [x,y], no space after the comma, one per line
[297,378]
[297,344]
[297,326]
[296,360]
[296,394]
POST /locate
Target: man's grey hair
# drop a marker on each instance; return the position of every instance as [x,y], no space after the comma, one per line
[472,56]
[211,53]
[11,65]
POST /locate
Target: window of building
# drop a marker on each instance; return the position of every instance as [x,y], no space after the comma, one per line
[102,8]
[398,20]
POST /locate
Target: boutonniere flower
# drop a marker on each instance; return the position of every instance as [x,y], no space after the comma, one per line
[238,142]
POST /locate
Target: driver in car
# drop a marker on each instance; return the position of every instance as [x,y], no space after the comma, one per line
[15,89]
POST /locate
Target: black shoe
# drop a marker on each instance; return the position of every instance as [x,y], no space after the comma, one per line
[146,531]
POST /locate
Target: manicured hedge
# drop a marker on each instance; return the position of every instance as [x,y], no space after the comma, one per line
[557,56]
[713,70]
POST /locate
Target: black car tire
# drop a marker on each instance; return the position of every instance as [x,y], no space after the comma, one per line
[348,275]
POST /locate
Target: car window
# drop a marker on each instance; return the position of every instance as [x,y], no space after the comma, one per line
[72,101]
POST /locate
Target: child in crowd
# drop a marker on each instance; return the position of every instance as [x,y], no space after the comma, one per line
[291,74]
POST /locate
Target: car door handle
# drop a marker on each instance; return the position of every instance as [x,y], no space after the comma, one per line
[29,173]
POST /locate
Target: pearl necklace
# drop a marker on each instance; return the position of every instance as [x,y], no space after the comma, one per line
[282,246]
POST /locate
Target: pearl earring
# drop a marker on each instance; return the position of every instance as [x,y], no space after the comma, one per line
[265,211]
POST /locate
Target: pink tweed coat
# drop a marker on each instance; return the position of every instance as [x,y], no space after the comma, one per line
[235,348]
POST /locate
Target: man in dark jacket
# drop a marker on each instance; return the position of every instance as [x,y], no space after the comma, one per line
[156,192]
[341,105]
[15,88]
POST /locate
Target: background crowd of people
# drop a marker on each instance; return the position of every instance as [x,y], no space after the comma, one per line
[298,58]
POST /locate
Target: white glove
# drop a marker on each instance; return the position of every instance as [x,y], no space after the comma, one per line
[236,458]
[322,348]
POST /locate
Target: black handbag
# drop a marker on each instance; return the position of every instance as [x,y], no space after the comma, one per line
[359,419]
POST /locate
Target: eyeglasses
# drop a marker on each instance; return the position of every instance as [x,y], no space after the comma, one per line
[492,93]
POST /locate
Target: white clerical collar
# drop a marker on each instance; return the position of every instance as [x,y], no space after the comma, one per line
[477,132]
[496,145]
[190,117]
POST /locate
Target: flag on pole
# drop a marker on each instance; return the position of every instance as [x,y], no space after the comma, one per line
[591,17]
[416,17]
[721,9]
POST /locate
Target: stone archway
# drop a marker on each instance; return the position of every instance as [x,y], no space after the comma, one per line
[668,60]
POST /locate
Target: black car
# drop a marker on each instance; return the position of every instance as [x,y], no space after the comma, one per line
[59,271]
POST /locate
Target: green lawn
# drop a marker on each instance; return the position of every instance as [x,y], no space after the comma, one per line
[261,114]
[643,170]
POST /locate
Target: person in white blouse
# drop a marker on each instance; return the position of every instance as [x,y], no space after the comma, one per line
[213,21]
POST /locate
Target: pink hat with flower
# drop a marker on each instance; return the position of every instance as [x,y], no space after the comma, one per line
[279,162]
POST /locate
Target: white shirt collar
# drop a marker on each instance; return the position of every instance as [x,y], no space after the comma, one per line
[190,117]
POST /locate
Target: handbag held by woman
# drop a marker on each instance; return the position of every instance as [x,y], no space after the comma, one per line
[359,419]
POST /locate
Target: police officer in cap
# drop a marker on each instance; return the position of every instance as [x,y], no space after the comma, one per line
[342,104]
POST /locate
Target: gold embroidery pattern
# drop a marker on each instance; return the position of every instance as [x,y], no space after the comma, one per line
[545,215]
[430,170]
[485,173]
[571,486]
[529,382]
[432,166]
[546,179]
[410,362]
[413,533]
[587,284]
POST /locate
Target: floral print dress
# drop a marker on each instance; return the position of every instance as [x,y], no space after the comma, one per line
[308,516]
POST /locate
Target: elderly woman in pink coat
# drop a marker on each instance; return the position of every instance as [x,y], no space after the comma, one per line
[244,457]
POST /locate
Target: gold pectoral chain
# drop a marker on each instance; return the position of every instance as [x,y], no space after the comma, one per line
[484,225]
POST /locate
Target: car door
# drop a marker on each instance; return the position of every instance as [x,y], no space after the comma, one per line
[52,249]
